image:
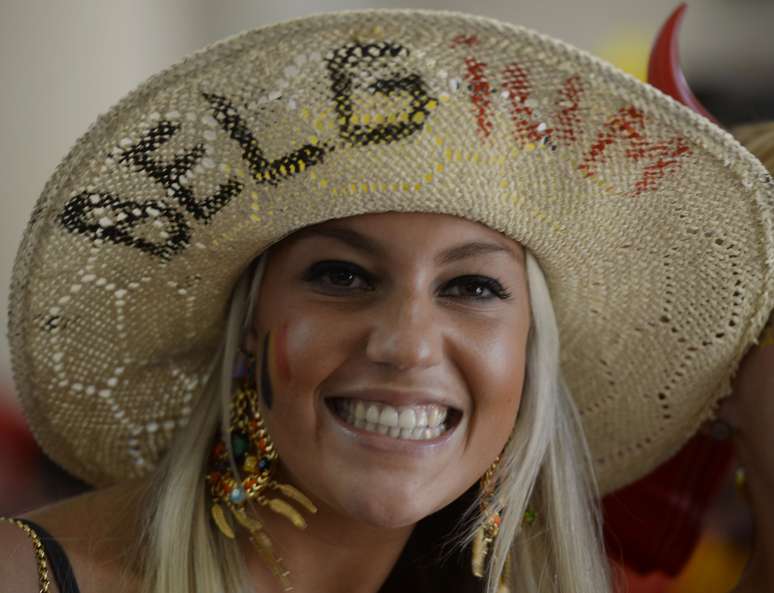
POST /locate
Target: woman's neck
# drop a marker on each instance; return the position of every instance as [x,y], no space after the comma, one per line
[334,554]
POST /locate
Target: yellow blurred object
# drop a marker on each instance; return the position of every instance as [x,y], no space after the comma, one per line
[715,567]
[628,49]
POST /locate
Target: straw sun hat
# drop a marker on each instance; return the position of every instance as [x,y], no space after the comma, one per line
[652,225]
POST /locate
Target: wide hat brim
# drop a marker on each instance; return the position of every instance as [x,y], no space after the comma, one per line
[653,226]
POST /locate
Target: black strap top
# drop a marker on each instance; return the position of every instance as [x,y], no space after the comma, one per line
[57,559]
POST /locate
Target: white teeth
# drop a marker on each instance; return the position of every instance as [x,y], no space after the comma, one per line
[388,417]
[373,414]
[419,422]
[408,418]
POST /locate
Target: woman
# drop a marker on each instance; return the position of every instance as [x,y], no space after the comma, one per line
[361,216]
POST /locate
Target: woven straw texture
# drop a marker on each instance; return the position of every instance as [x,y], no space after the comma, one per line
[653,226]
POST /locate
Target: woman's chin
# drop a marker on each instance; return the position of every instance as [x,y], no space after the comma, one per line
[388,512]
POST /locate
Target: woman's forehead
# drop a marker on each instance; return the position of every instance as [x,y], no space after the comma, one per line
[401,227]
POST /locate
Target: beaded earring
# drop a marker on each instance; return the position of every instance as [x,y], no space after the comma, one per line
[255,461]
[486,534]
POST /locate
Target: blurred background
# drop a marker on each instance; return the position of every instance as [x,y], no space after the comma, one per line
[62,63]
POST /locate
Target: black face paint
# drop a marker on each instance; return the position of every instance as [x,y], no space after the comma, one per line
[267,392]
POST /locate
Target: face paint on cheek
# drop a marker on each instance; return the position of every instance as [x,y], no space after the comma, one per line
[274,363]
[280,352]
[267,387]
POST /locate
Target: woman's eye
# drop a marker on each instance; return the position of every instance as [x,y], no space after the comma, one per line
[476,287]
[338,275]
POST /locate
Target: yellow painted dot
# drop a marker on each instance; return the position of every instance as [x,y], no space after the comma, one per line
[366,119]
[418,117]
[306,113]
[378,118]
[392,118]
[319,125]
[255,218]
[283,170]
[353,188]
[405,186]
[354,119]
[403,117]
[439,140]
[428,178]
[313,140]
[439,167]
[448,154]
[301,166]
[417,186]
[530,147]
[432,104]
[503,183]
[364,187]
[458,155]
[323,183]
[444,98]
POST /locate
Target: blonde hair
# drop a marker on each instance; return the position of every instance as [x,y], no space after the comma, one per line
[758,138]
[544,467]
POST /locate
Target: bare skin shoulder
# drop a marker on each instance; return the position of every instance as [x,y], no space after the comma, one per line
[98,533]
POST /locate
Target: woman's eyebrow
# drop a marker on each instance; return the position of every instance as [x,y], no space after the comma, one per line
[352,238]
[472,249]
[372,247]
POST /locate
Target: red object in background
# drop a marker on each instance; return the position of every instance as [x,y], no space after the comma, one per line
[19,459]
[664,71]
[655,523]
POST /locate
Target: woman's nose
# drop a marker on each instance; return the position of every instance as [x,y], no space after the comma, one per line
[404,334]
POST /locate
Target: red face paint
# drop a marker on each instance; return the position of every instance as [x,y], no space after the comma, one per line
[280,353]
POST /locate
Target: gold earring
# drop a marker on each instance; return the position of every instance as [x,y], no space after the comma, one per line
[255,458]
[486,534]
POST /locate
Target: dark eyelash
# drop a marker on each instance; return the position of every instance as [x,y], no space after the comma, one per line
[318,270]
[491,284]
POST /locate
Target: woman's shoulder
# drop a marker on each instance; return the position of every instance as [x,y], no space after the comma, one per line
[96,533]
[19,564]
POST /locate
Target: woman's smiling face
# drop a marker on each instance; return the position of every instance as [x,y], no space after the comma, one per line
[393,354]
